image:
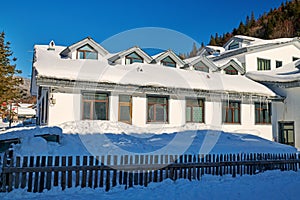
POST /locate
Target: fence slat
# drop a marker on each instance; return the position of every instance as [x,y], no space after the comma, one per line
[63,173]
[90,172]
[17,175]
[84,172]
[77,172]
[49,174]
[96,172]
[70,179]
[24,174]
[42,175]
[107,181]
[114,179]
[36,175]
[141,174]
[56,163]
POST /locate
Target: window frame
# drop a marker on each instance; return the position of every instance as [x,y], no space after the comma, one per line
[225,119]
[79,50]
[201,68]
[266,62]
[155,105]
[131,59]
[191,105]
[232,71]
[129,104]
[92,104]
[259,107]
[278,63]
[165,63]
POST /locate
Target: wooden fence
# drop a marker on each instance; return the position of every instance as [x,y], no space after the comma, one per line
[36,173]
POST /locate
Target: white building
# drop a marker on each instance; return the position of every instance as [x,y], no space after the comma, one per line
[86,82]
[254,54]
[286,114]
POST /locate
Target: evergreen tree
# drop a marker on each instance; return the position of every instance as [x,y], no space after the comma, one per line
[194,51]
[212,41]
[9,90]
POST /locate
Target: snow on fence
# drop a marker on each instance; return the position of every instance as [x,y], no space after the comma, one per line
[36,173]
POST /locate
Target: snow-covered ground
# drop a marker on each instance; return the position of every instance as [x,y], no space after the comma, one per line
[99,138]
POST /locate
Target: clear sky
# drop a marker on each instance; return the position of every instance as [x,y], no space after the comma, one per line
[27,23]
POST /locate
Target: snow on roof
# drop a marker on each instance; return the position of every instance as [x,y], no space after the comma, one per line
[257,41]
[287,73]
[189,60]
[216,48]
[49,64]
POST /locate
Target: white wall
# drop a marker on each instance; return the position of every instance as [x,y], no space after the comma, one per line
[248,124]
[289,111]
[284,54]
[67,107]
[139,115]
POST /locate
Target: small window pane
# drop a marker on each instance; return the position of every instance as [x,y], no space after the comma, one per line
[100,111]
[125,98]
[91,55]
[125,113]
[86,110]
[188,114]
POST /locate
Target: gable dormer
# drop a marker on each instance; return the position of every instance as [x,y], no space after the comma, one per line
[201,63]
[84,49]
[129,56]
[240,41]
[168,59]
[233,67]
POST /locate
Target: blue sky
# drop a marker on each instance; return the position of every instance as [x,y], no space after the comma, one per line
[27,23]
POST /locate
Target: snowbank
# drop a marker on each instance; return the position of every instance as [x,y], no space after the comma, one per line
[103,137]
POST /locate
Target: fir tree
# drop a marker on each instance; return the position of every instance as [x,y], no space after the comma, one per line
[194,51]
[9,85]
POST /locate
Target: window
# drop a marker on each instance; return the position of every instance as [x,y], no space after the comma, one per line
[201,67]
[232,112]
[295,58]
[286,133]
[132,58]
[263,113]
[263,64]
[125,108]
[231,70]
[157,109]
[195,110]
[234,45]
[168,61]
[95,106]
[278,63]
[87,52]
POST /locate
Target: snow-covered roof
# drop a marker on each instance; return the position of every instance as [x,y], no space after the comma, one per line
[135,49]
[88,40]
[287,73]
[167,53]
[49,64]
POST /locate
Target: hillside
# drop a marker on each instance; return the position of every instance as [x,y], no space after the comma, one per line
[280,22]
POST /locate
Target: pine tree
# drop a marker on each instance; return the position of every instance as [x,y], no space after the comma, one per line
[194,51]
[9,90]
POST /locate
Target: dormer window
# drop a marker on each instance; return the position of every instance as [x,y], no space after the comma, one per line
[87,52]
[201,67]
[133,58]
[168,61]
[231,70]
[234,45]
